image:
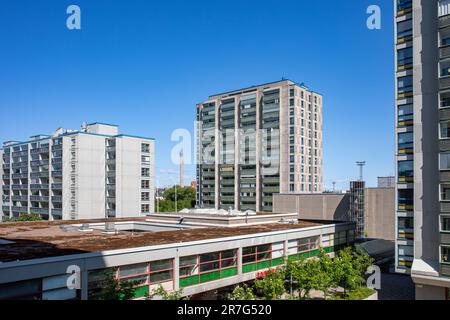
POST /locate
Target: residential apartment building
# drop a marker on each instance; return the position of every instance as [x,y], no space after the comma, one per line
[256,142]
[90,173]
[423,149]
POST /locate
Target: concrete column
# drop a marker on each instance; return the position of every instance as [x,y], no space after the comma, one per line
[84,285]
[239,261]
[258,151]
[217,156]
[176,272]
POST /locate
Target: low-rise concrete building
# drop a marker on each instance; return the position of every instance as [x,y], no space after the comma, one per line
[193,252]
[379,209]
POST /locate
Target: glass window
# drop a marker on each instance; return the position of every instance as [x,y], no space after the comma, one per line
[23,290]
[445,223]
[406,251]
[404,30]
[188,265]
[406,199]
[160,265]
[405,112]
[444,161]
[403,4]
[405,223]
[444,129]
[126,271]
[163,276]
[405,138]
[445,192]
[406,169]
[404,57]
[445,254]
[405,84]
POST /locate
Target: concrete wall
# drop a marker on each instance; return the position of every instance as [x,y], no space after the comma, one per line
[380,213]
[314,206]
[128,176]
[379,209]
[91,177]
[424,292]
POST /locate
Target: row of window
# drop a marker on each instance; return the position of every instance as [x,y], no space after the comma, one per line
[146,276]
[193,269]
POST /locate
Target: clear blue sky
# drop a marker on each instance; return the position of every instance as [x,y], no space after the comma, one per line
[145,64]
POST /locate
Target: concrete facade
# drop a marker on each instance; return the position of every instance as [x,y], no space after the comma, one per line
[91,173]
[422,92]
[256,142]
[379,209]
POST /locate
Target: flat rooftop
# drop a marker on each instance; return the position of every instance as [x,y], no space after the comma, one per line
[32,240]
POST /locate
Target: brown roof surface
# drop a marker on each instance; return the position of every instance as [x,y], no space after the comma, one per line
[47,239]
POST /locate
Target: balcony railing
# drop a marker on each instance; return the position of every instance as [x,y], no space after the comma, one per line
[39,198]
[405,148]
[40,210]
[57,186]
[57,198]
[39,186]
[57,173]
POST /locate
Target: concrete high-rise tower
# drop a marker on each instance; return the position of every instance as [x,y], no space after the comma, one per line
[422,55]
[256,142]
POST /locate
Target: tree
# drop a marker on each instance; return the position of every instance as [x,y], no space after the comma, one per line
[161,292]
[353,267]
[112,290]
[306,274]
[186,199]
[25,217]
[272,286]
[327,278]
[242,293]
[29,217]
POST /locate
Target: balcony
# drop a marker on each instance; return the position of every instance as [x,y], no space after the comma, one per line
[45,149]
[40,210]
[57,212]
[111,174]
[35,163]
[39,186]
[57,174]
[444,21]
[20,209]
[57,186]
[41,174]
[19,198]
[444,82]
[39,198]
[57,147]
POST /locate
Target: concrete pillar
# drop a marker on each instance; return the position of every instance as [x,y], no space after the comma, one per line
[258,152]
[176,272]
[217,156]
[237,136]
[239,261]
